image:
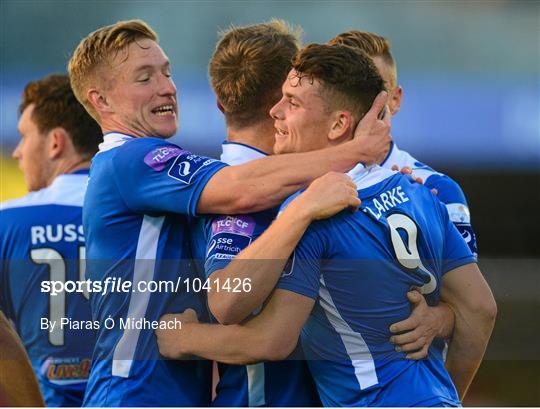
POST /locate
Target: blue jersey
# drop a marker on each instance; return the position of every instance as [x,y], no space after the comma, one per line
[215,241]
[140,193]
[450,192]
[358,267]
[41,240]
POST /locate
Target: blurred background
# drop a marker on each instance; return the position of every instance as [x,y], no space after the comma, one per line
[471,108]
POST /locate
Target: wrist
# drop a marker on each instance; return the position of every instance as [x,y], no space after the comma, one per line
[183,346]
[445,319]
[300,210]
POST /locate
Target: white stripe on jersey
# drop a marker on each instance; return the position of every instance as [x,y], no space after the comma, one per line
[145,262]
[356,347]
[255,376]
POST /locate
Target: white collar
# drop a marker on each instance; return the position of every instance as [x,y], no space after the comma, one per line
[366,176]
[66,189]
[235,153]
[112,140]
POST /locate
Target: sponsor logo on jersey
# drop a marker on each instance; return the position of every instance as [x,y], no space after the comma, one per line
[66,370]
[241,224]
[158,158]
[225,246]
[466,231]
[186,165]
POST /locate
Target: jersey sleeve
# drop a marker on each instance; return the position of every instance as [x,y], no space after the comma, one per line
[154,176]
[227,237]
[456,253]
[302,272]
[451,194]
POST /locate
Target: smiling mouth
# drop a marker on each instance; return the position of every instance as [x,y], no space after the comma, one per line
[164,110]
[280,132]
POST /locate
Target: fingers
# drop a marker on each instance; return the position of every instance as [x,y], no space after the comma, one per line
[379,104]
[415,297]
[407,170]
[354,203]
[371,116]
[435,191]
[406,325]
[387,119]
[413,343]
[421,354]
[406,338]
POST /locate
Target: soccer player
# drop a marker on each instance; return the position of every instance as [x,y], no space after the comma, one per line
[245,95]
[42,241]
[349,274]
[139,196]
[449,192]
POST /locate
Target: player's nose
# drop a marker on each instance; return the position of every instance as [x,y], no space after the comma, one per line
[16,154]
[167,86]
[276,111]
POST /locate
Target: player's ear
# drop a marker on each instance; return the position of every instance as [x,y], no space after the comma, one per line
[394,102]
[220,107]
[342,125]
[58,139]
[98,100]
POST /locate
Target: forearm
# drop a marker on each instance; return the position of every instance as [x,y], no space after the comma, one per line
[17,377]
[467,347]
[265,183]
[466,291]
[445,319]
[261,263]
[232,344]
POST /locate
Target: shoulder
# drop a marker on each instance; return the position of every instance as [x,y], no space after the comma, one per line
[448,189]
[66,190]
[153,151]
[154,154]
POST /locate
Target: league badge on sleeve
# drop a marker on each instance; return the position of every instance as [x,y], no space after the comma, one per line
[158,158]
[230,235]
[466,231]
[186,165]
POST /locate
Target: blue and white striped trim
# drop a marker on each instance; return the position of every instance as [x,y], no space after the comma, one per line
[355,346]
[145,264]
[256,386]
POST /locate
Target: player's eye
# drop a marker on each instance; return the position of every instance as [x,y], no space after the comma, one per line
[143,78]
[292,103]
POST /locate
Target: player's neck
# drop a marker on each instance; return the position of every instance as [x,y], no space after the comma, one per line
[68,166]
[259,136]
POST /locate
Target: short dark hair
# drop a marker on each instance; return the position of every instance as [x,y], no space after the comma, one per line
[249,67]
[347,74]
[55,105]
